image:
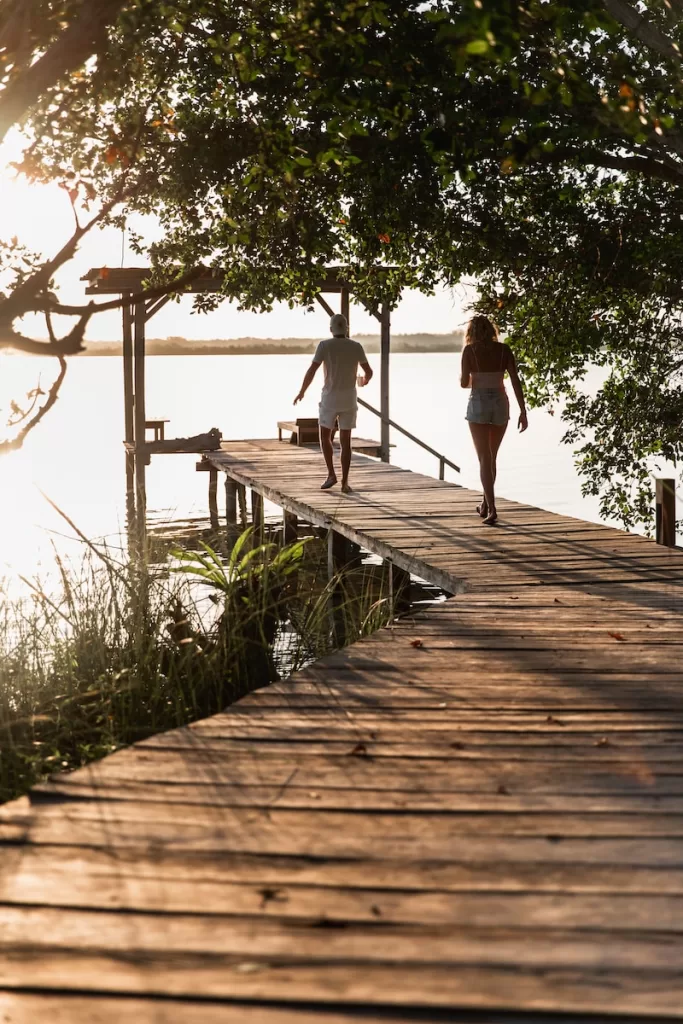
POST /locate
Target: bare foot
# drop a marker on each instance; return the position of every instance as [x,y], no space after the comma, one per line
[483,509]
[330,482]
[491,518]
[346,488]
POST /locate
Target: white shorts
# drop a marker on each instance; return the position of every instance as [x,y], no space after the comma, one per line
[328,414]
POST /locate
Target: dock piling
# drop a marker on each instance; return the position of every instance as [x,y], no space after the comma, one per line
[290,527]
[257,514]
[230,502]
[213,498]
[399,587]
[242,502]
[665,512]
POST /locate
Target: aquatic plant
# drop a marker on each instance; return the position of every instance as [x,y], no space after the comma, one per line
[115,653]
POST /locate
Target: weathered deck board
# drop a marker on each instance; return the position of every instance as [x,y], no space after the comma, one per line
[489,821]
[428,527]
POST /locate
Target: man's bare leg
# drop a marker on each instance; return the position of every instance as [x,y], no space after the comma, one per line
[328,453]
[345,440]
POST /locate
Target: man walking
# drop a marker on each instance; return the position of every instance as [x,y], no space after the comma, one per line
[341,357]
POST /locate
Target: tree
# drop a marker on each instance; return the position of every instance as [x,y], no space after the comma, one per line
[535,146]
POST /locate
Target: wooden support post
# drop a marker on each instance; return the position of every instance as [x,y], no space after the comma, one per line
[213,498]
[385,344]
[346,307]
[242,502]
[337,553]
[290,527]
[442,469]
[257,513]
[139,418]
[399,588]
[336,560]
[128,408]
[665,512]
[230,501]
[128,391]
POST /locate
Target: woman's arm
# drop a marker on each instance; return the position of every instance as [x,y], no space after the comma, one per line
[465,367]
[511,367]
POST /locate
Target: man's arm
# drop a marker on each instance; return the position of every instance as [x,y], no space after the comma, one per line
[308,380]
[367,370]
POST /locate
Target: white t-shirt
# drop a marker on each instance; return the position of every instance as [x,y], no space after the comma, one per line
[340,358]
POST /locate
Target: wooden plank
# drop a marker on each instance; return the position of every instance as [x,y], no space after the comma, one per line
[166,865]
[543,980]
[67,1008]
[440,825]
[229,940]
[183,894]
[213,794]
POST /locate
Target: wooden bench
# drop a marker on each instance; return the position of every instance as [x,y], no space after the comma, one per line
[158,427]
[306,431]
[303,430]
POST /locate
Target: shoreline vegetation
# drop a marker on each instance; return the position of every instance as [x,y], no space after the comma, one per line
[121,649]
[178,346]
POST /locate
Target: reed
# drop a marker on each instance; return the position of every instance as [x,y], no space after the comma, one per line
[113,653]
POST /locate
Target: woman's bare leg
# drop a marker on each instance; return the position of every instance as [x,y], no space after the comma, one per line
[496,435]
[480,436]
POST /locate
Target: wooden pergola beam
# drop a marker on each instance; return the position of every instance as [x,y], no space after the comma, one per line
[118,280]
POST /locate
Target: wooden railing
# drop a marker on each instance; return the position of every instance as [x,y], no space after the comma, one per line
[443,461]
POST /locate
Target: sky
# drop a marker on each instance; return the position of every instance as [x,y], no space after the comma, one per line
[41,217]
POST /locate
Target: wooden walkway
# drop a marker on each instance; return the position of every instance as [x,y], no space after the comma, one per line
[475,815]
[429,528]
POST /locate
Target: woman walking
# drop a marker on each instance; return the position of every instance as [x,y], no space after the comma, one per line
[485,361]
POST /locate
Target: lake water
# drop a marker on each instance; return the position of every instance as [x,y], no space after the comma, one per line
[75,456]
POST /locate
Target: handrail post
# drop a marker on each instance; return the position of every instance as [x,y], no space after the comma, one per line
[385,344]
[665,512]
[442,468]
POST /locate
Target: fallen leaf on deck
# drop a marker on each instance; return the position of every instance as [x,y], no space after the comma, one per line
[602,742]
[619,636]
[503,790]
[360,750]
[554,721]
[416,643]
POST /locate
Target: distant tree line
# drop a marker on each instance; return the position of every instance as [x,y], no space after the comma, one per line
[176,346]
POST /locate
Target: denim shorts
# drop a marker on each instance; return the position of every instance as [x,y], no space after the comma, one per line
[488,405]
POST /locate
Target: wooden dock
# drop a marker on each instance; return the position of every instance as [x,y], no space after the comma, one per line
[475,815]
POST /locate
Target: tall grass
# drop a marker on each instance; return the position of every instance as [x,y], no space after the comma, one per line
[114,654]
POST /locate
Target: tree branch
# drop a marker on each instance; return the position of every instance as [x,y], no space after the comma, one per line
[643,29]
[21,299]
[639,164]
[67,346]
[53,394]
[79,41]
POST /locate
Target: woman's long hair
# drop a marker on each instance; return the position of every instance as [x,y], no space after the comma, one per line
[480,328]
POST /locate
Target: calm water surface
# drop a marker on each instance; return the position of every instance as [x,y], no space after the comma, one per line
[75,456]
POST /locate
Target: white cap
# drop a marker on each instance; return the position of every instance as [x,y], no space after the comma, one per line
[339,325]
